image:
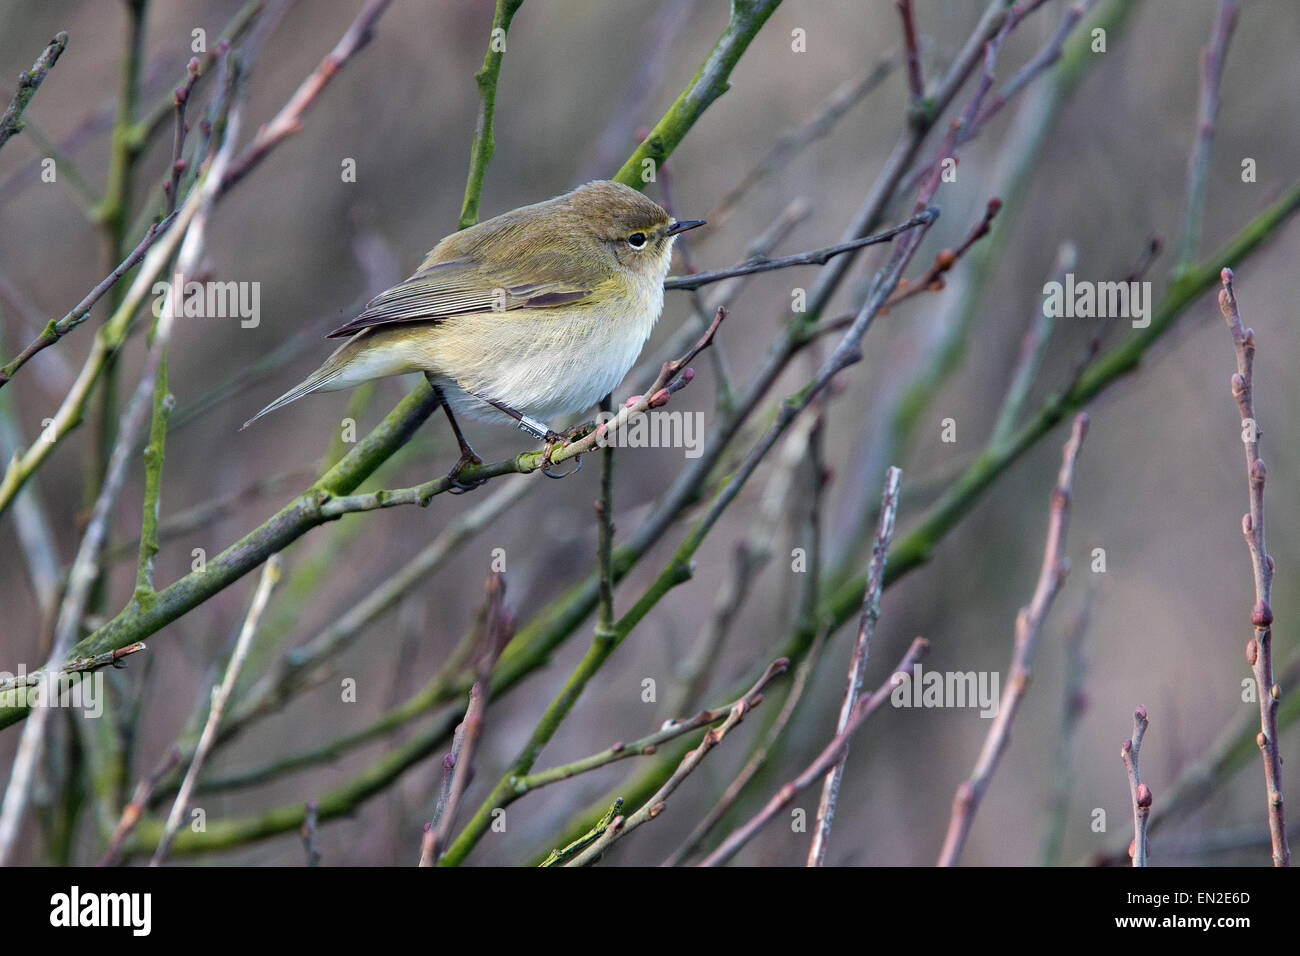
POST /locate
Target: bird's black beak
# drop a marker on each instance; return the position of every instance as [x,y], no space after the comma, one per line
[675,227]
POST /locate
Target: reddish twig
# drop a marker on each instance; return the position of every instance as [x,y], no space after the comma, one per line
[911,51]
[824,761]
[975,119]
[181,98]
[139,801]
[945,259]
[289,120]
[1138,791]
[1040,61]
[496,626]
[1029,625]
[456,771]
[1259,650]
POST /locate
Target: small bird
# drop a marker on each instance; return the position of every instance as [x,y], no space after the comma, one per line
[535,314]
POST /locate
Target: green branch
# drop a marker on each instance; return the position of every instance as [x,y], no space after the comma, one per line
[605,642]
[485,145]
[153,463]
[711,80]
[138,620]
[12,120]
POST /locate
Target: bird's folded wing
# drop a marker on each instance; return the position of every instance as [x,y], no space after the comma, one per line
[466,285]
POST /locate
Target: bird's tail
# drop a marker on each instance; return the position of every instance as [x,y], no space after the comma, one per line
[314,382]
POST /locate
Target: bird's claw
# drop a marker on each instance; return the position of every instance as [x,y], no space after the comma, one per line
[459,487]
[546,459]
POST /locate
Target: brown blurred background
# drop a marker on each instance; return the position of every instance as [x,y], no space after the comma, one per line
[1160,484]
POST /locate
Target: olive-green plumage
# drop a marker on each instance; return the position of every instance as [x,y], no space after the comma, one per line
[542,309]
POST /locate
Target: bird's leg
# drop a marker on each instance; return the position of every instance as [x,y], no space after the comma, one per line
[467,455]
[544,432]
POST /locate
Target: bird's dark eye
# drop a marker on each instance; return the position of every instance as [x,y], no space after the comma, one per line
[636,240]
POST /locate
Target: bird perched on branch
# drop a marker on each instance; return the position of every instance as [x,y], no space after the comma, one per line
[536,314]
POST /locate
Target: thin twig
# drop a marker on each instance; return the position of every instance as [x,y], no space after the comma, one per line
[790,143]
[289,120]
[11,121]
[974,122]
[1259,650]
[495,628]
[824,761]
[562,856]
[55,330]
[1029,626]
[912,52]
[182,96]
[1139,792]
[620,827]
[1033,349]
[1198,160]
[1073,706]
[647,745]
[758,757]
[858,662]
[945,259]
[605,539]
[308,833]
[815,257]
[429,842]
[467,734]
[132,811]
[78,665]
[220,695]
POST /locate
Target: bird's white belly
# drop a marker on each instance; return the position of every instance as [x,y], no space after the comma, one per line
[563,371]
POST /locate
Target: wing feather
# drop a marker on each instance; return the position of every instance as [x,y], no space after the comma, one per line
[547,279]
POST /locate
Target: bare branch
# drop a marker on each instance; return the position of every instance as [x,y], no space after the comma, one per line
[1259,650]
[824,761]
[1139,792]
[1029,626]
[652,808]
[858,661]
[1198,160]
[11,121]
[220,695]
